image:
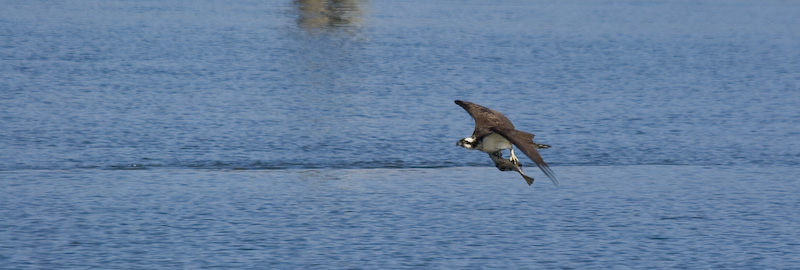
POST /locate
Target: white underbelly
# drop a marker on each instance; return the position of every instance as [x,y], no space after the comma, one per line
[493,142]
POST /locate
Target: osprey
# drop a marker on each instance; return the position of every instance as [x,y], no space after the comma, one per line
[495,133]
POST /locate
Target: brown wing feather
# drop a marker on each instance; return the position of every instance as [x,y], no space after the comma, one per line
[524,141]
[485,118]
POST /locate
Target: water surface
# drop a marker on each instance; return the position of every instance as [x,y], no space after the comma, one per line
[604,217]
[321,134]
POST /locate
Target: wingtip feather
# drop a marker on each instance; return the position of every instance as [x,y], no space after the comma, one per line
[549,173]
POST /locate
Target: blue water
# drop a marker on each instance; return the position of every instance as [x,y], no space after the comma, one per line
[321,134]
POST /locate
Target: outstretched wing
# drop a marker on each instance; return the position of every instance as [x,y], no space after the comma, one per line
[485,118]
[524,141]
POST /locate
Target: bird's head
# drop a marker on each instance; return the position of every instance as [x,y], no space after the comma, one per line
[468,143]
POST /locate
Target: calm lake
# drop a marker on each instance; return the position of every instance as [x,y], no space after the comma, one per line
[321,134]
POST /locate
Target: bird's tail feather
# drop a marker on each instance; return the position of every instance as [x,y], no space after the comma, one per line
[541,146]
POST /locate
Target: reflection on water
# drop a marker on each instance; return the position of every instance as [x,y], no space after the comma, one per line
[324,15]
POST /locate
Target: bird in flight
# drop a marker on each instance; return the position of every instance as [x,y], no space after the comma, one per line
[495,133]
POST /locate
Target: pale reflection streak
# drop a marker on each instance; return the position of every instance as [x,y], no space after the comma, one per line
[326,15]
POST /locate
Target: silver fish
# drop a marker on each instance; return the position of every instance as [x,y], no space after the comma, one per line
[509,165]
